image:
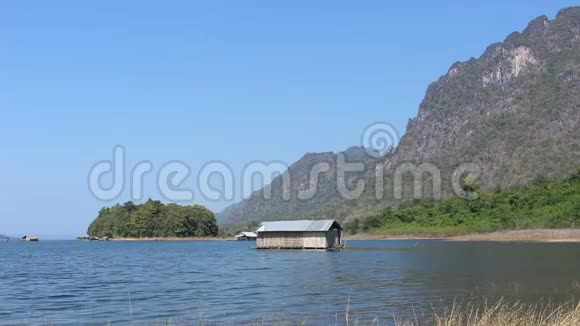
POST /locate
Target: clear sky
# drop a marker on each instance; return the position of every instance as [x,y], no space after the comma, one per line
[197,81]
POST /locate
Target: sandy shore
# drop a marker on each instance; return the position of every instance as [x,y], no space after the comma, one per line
[540,235]
[174,239]
[370,236]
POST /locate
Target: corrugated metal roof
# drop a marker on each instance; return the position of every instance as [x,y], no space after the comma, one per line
[296,226]
[247,234]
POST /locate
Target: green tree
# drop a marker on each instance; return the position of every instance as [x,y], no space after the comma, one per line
[154,219]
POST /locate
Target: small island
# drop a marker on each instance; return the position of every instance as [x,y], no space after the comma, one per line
[154,220]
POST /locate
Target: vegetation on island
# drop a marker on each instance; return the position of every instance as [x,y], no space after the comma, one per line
[154,219]
[543,203]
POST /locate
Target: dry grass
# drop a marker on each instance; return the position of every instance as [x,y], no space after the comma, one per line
[503,314]
[472,313]
[539,235]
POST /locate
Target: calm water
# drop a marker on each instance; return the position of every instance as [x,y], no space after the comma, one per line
[70,282]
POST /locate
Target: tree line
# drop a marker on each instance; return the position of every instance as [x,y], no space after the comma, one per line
[543,203]
[154,219]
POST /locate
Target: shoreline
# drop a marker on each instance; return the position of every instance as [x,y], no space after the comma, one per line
[537,235]
[173,239]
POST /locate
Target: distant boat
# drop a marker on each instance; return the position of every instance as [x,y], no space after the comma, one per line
[93,238]
[246,236]
[29,238]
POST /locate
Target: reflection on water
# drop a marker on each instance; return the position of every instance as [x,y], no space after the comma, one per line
[69,282]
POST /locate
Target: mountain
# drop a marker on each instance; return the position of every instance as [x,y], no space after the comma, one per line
[278,207]
[514,112]
[3,237]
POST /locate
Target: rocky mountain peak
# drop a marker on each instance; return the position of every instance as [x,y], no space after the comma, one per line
[514,112]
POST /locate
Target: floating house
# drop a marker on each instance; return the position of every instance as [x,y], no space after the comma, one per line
[29,238]
[94,238]
[303,234]
[246,236]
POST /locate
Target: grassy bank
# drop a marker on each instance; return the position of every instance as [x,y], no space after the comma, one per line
[471,313]
[502,314]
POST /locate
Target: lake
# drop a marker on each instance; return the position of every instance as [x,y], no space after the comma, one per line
[228,282]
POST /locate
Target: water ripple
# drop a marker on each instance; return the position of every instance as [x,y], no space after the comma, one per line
[70,283]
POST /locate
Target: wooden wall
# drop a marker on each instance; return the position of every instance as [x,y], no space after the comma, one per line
[332,238]
[296,240]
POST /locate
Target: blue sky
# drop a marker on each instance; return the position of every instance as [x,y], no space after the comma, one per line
[196,81]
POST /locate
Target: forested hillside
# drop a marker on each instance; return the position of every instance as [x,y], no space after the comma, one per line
[543,203]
